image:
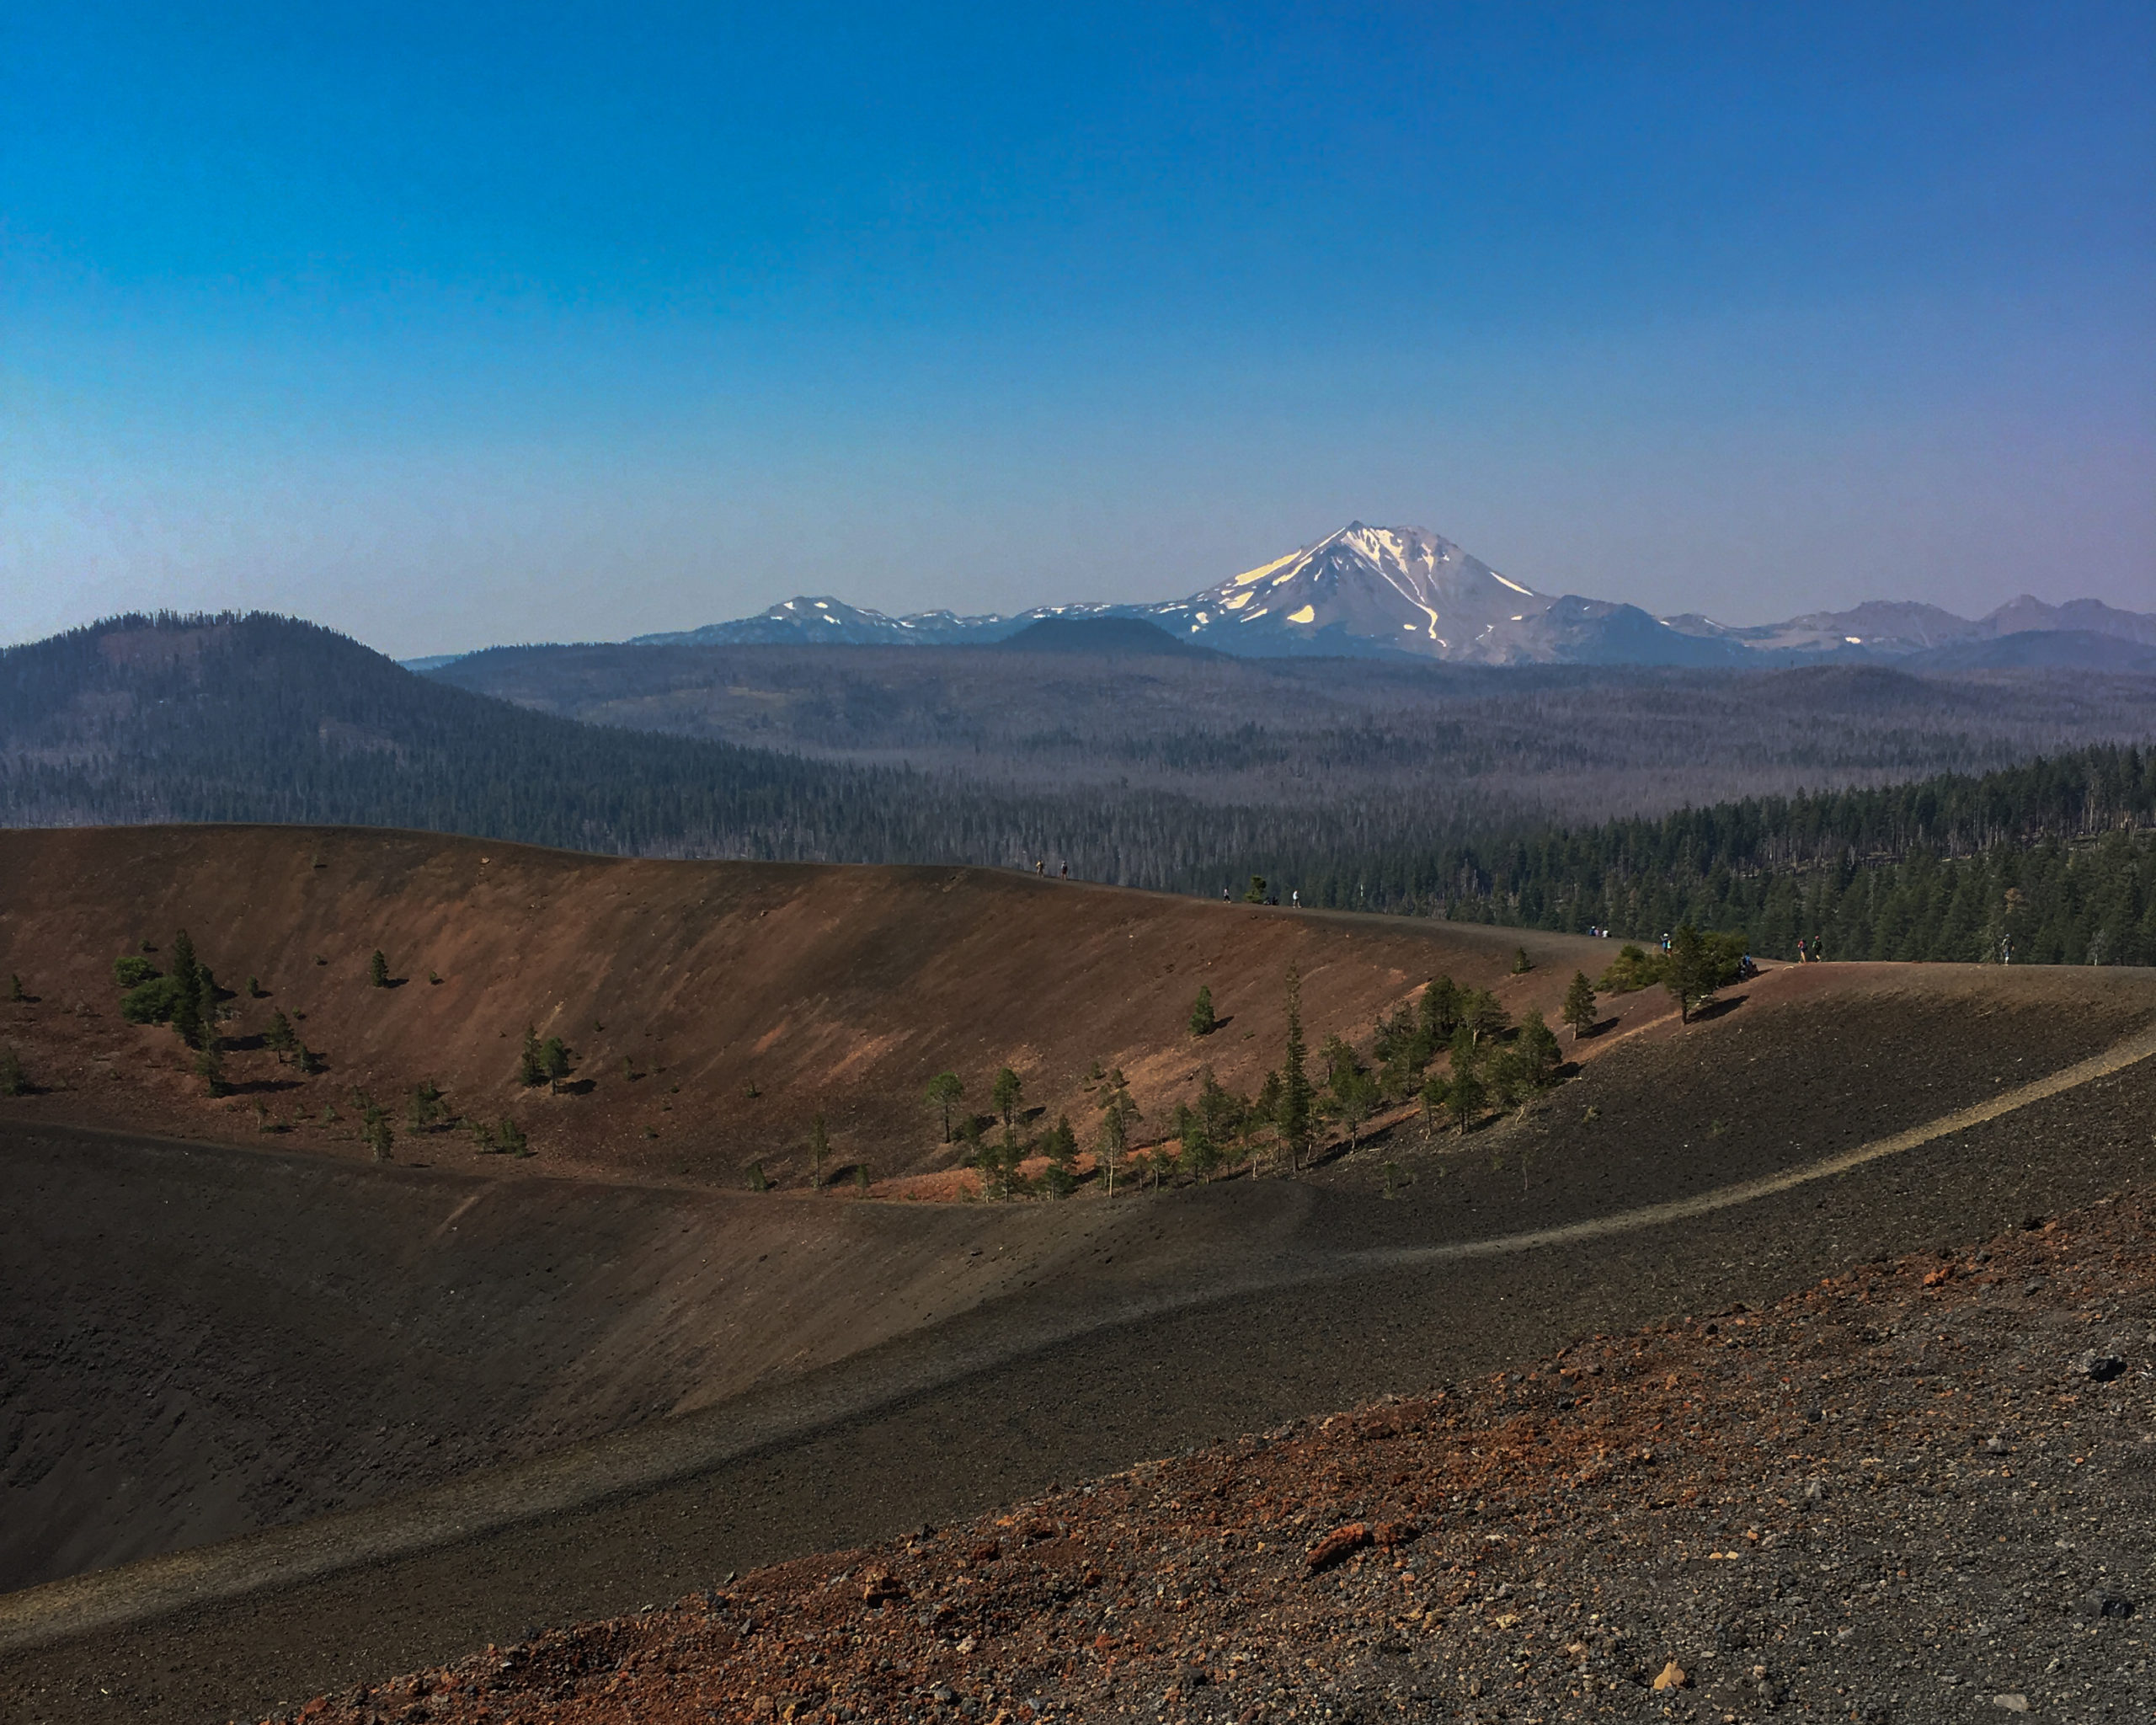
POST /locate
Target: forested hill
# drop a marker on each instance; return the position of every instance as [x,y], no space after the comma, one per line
[2052,862]
[262,719]
[265,719]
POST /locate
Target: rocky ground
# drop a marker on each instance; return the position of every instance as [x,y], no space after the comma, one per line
[1919,1490]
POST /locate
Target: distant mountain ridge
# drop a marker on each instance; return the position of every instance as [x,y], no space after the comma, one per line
[1406,592]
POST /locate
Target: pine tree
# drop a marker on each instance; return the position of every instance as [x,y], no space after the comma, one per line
[16,992]
[1436,1094]
[1118,1111]
[554,1060]
[1202,1020]
[1579,1005]
[210,1067]
[1484,1015]
[185,991]
[280,1037]
[424,1109]
[374,1129]
[819,1147]
[1060,1146]
[1689,973]
[532,1061]
[13,1081]
[1005,1094]
[378,970]
[1440,1015]
[944,1090]
[1291,1115]
[1466,1095]
[1537,1052]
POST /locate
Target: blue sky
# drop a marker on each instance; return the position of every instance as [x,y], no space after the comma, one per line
[448,325]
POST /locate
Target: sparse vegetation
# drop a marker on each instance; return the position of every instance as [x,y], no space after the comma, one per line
[556,1061]
[424,1107]
[374,1129]
[377,969]
[819,1148]
[131,970]
[13,1080]
[757,1181]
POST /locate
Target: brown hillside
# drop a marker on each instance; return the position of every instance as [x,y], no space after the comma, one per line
[713,1007]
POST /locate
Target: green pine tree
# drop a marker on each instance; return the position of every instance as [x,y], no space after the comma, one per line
[1007,1094]
[378,970]
[944,1090]
[1292,1113]
[1579,1005]
[1202,1020]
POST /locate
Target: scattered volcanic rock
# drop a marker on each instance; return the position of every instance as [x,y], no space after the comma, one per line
[1628,1529]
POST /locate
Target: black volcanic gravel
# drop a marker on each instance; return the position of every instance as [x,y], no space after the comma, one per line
[1920,1491]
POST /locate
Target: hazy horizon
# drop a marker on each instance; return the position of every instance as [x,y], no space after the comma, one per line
[453,330]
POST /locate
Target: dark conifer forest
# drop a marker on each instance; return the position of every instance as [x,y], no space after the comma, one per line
[262,719]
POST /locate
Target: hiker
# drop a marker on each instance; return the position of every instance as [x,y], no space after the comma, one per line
[1295,900]
[1801,958]
[1066,871]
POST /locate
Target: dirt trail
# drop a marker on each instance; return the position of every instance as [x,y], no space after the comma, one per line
[2118,1058]
[573,1485]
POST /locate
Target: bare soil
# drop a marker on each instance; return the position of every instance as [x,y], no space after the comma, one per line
[955,1424]
[443,1402]
[1916,1490]
[712,1008]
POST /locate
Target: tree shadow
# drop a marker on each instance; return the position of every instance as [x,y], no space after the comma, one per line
[261,1087]
[1717,1008]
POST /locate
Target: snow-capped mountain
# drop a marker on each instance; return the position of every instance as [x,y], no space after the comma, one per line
[1400,592]
[1406,591]
[805,619]
[1403,589]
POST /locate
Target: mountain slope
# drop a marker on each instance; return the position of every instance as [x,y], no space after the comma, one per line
[805,620]
[1366,591]
[1399,589]
[263,718]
